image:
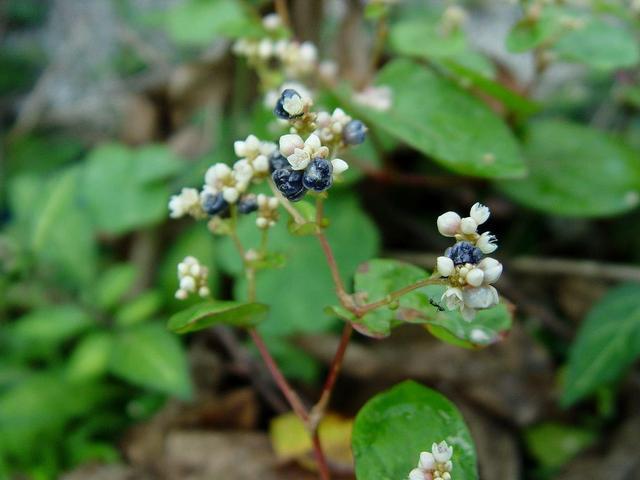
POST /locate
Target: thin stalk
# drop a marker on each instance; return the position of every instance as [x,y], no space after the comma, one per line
[323,466]
[363,309]
[295,214]
[283,12]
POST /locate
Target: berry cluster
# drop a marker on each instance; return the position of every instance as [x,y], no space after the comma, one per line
[308,165]
[434,465]
[193,278]
[469,273]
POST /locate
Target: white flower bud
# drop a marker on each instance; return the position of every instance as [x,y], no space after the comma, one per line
[445,266]
[261,163]
[475,277]
[313,142]
[492,269]
[427,461]
[262,222]
[230,194]
[239,148]
[195,270]
[449,224]
[271,21]
[480,297]
[289,143]
[182,294]
[468,226]
[188,284]
[487,243]
[203,292]
[339,166]
[221,170]
[183,268]
[293,105]
[445,476]
[442,452]
[479,213]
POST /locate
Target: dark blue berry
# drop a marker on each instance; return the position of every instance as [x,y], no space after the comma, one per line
[279,110]
[289,182]
[464,252]
[215,205]
[277,161]
[317,176]
[354,132]
[247,204]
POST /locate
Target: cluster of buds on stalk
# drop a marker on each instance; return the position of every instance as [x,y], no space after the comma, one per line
[193,278]
[470,274]
[434,465]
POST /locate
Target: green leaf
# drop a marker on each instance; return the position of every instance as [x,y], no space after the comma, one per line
[607,343]
[378,278]
[206,314]
[600,45]
[528,34]
[113,285]
[436,117]
[42,331]
[153,358]
[554,444]
[121,189]
[576,171]
[139,309]
[298,292]
[424,38]
[393,428]
[90,359]
[199,22]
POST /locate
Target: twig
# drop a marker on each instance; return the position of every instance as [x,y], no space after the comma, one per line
[283,12]
[323,467]
[363,309]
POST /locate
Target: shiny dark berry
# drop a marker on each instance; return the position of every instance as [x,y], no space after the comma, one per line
[354,132]
[247,204]
[289,182]
[464,252]
[279,110]
[215,205]
[317,176]
[277,161]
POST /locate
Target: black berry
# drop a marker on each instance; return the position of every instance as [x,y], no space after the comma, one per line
[464,252]
[277,161]
[215,205]
[247,204]
[354,132]
[318,175]
[289,183]
[279,110]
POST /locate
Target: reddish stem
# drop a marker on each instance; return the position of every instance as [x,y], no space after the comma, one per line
[321,461]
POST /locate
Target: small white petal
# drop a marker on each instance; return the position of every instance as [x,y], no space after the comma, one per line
[468,226]
[475,277]
[289,143]
[480,297]
[261,163]
[492,269]
[203,292]
[442,452]
[262,222]
[479,213]
[448,224]
[293,105]
[487,243]
[427,461]
[313,142]
[445,266]
[339,166]
[221,170]
[239,148]
[182,294]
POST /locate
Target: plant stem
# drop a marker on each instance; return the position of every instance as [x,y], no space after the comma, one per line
[382,29]
[283,12]
[363,309]
[321,460]
[297,217]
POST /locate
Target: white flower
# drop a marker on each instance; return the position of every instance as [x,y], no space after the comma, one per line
[331,126]
[480,297]
[479,213]
[417,474]
[186,203]
[339,166]
[261,164]
[328,70]
[442,452]
[230,194]
[449,224]
[252,147]
[445,266]
[265,48]
[468,226]
[193,278]
[487,243]
[492,269]
[293,105]
[267,211]
[452,298]
[378,98]
[301,157]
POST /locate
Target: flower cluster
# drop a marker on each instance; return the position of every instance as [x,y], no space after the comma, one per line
[469,273]
[309,165]
[193,278]
[267,211]
[434,465]
[187,202]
